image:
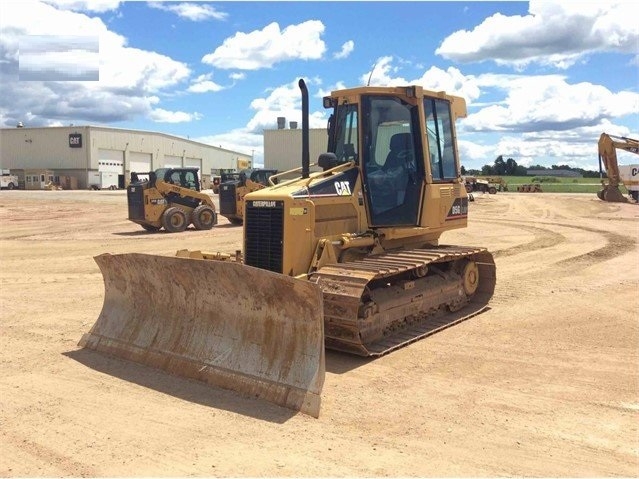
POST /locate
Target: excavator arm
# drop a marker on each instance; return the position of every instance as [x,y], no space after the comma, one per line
[608,146]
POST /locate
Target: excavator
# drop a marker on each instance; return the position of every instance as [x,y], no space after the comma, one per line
[617,175]
[347,257]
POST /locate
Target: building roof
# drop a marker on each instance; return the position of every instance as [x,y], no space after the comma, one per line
[124,130]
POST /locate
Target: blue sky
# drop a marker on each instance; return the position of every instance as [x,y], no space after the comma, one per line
[542,80]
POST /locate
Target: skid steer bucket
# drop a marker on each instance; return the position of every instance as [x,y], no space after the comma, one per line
[223,323]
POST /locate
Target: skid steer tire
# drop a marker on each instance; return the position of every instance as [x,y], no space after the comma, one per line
[174,220]
[203,217]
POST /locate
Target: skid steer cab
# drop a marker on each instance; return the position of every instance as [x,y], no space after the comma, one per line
[235,186]
[169,198]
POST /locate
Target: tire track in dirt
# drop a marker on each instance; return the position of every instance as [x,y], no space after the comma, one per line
[616,245]
[543,238]
[38,454]
[530,283]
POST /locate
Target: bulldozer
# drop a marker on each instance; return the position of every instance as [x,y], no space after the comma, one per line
[346,258]
[529,188]
[474,184]
[617,175]
[237,185]
[169,198]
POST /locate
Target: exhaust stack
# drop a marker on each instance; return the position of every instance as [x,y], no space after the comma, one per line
[305,131]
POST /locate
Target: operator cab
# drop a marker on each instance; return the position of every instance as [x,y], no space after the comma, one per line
[383,133]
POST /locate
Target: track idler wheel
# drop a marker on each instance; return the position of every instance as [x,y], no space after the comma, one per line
[470,277]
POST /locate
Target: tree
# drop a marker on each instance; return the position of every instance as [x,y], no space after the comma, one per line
[511,166]
[488,170]
[500,166]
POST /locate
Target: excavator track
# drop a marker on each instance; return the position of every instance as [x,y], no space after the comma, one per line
[383,302]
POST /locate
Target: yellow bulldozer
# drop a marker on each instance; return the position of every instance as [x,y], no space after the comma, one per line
[235,186]
[347,258]
[169,198]
[529,188]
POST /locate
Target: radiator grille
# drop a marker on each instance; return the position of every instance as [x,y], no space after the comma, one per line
[263,240]
[227,199]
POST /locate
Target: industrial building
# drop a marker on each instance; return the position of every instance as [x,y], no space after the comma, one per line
[283,147]
[103,157]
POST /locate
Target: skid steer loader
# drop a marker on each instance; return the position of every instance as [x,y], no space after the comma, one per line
[169,198]
[235,186]
[346,258]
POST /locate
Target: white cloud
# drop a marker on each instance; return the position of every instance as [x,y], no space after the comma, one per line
[97,6]
[548,103]
[239,140]
[160,115]
[129,78]
[451,80]
[203,84]
[558,34]
[195,12]
[346,50]
[269,46]
[286,101]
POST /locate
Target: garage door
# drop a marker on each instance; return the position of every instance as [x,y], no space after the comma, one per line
[194,163]
[111,161]
[172,161]
[139,162]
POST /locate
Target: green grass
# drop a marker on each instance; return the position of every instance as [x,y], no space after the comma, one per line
[552,184]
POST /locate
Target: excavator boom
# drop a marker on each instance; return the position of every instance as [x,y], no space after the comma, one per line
[617,175]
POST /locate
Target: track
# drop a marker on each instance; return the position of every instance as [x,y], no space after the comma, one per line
[381,303]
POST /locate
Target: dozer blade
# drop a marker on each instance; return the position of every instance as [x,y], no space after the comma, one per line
[237,327]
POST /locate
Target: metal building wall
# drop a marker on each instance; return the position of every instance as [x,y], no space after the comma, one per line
[283,147]
[37,148]
[50,148]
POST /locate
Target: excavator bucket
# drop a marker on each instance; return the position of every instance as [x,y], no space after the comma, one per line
[219,322]
[612,194]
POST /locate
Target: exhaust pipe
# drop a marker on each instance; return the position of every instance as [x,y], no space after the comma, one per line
[305,131]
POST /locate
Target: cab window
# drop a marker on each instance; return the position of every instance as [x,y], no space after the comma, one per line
[439,134]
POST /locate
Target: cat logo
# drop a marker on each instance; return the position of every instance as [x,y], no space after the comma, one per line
[343,188]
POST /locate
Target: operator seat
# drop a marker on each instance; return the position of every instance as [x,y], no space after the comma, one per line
[399,143]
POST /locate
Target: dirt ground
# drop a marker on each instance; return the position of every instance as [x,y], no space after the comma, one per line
[545,383]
